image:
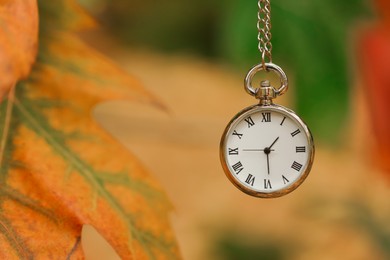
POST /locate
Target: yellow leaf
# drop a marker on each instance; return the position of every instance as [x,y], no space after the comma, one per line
[59,170]
[18,41]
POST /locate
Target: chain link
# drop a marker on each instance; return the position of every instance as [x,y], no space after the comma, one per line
[264,29]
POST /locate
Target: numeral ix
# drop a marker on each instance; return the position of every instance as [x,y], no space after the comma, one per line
[233,151]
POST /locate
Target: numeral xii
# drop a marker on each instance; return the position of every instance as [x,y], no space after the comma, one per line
[266,117]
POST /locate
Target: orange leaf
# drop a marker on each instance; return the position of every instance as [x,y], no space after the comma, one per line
[383,8]
[18,41]
[374,56]
[59,170]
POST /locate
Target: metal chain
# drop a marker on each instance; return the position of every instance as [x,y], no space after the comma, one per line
[264,28]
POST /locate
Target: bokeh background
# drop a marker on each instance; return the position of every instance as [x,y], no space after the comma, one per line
[193,56]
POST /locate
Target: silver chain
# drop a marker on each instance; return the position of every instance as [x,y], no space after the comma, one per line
[264,28]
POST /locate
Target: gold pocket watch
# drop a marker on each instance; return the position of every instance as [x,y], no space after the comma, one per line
[267,151]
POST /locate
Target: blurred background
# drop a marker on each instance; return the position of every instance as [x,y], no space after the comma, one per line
[194,55]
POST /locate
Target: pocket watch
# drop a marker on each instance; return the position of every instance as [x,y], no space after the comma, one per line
[266,150]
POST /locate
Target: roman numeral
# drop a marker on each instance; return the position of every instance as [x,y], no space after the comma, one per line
[238,167]
[285,180]
[237,134]
[296,166]
[250,122]
[233,151]
[295,132]
[250,180]
[267,184]
[283,121]
[300,149]
[266,117]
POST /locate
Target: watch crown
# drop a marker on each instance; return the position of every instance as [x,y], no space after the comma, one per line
[266,92]
[265,84]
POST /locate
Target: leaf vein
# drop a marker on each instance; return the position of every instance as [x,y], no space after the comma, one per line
[16,243]
[84,170]
[74,248]
[7,122]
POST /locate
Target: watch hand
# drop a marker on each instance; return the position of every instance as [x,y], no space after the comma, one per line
[274,143]
[256,150]
[268,162]
[267,151]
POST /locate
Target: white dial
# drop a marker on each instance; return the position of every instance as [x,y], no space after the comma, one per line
[267,151]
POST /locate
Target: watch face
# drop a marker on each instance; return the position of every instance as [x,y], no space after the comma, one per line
[267,151]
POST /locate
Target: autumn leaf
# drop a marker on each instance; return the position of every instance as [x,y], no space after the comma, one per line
[18,41]
[59,170]
[373,52]
[383,9]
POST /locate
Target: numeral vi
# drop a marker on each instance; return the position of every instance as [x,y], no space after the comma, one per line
[267,184]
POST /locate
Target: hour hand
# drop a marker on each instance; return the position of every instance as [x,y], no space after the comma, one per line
[274,142]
